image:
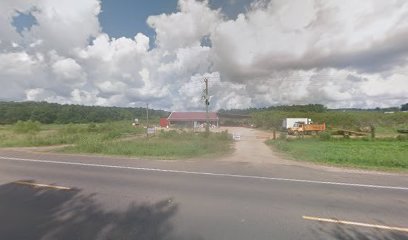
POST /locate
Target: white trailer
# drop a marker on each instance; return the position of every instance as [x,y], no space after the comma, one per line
[289,122]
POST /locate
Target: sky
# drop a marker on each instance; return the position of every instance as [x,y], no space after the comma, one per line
[255,53]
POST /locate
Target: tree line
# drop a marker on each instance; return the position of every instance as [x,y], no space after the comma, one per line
[351,118]
[283,108]
[404,107]
[44,112]
[333,119]
[310,108]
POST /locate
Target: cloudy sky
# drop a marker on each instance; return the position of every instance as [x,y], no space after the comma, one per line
[254,53]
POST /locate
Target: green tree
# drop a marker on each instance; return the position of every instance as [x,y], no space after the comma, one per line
[404,107]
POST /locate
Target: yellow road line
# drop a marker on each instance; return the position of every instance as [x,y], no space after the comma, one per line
[331,220]
[42,185]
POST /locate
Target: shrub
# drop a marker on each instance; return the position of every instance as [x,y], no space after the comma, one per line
[282,136]
[325,136]
[366,139]
[111,135]
[72,128]
[169,134]
[92,127]
[27,127]
[224,135]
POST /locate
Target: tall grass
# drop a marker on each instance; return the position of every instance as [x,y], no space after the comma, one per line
[27,127]
[365,153]
[164,145]
[28,134]
[115,138]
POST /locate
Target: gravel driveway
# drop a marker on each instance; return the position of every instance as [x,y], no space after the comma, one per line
[251,147]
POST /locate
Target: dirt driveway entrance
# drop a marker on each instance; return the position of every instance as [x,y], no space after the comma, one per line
[251,148]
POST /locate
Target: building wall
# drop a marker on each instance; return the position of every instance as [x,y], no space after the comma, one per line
[190,124]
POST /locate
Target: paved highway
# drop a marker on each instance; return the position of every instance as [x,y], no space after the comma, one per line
[117,198]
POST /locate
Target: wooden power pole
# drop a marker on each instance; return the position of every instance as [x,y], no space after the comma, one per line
[147,120]
[207,103]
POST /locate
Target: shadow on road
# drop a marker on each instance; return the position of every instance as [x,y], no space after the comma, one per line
[343,232]
[34,213]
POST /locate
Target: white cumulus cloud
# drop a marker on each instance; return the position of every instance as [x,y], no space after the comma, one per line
[342,54]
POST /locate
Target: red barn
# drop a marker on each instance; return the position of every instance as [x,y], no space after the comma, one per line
[192,119]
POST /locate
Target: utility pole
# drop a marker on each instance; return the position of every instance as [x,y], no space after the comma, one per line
[147,120]
[207,102]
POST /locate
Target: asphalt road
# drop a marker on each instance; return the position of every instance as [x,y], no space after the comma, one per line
[114,198]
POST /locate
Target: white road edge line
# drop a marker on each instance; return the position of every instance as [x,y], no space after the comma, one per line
[332,220]
[208,173]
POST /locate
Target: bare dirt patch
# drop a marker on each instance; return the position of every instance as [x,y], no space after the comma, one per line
[250,148]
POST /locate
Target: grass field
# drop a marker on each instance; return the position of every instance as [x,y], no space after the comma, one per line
[114,138]
[29,134]
[163,145]
[381,154]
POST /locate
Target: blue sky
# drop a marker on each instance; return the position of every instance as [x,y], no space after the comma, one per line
[24,21]
[128,17]
[125,18]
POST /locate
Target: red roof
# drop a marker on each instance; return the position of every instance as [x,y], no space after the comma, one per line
[192,116]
